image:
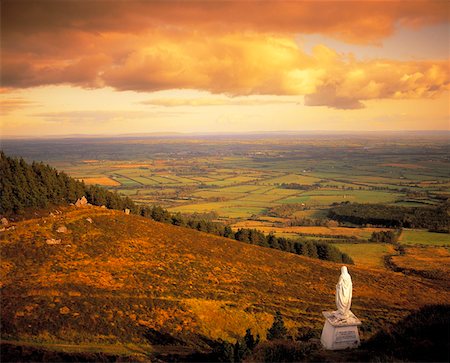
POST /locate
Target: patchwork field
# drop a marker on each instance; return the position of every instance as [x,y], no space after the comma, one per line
[249,177]
[420,237]
[104,181]
[370,255]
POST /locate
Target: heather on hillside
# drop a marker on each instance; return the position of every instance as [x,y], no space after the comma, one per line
[111,277]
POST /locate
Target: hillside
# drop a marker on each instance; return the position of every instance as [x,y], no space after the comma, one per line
[112,278]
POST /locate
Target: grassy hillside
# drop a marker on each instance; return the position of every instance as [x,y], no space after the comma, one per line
[113,279]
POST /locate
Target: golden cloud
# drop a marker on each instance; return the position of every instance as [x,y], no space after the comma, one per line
[234,48]
[10,105]
[213,101]
[354,21]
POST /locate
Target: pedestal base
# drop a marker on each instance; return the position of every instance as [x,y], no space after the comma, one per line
[340,333]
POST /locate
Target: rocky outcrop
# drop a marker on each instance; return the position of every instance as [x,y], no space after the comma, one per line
[62,229]
[81,202]
[52,241]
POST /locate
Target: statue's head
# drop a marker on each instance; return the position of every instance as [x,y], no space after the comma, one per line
[344,270]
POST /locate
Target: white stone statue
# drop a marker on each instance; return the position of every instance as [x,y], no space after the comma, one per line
[344,293]
[341,326]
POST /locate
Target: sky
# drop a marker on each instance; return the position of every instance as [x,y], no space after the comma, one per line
[206,66]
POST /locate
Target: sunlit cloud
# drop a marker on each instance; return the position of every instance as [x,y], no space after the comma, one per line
[8,106]
[214,101]
[94,117]
[370,20]
[134,56]
[236,65]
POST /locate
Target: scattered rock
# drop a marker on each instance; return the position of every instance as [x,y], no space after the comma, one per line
[2,229]
[62,229]
[51,214]
[52,241]
[127,211]
[81,202]
[64,310]
[103,207]
[4,221]
[89,220]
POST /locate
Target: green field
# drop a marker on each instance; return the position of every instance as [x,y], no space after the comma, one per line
[264,174]
[419,237]
[368,255]
[234,209]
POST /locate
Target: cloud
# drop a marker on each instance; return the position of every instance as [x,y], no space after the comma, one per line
[93,117]
[211,101]
[8,106]
[359,22]
[235,48]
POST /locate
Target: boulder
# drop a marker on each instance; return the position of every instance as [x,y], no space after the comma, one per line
[62,229]
[81,202]
[52,241]
[127,211]
[89,220]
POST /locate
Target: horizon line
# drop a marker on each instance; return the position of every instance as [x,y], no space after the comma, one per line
[218,133]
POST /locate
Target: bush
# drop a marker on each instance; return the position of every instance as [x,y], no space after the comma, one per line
[422,336]
[277,330]
[282,351]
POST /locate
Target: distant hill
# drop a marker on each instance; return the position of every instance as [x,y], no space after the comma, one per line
[112,278]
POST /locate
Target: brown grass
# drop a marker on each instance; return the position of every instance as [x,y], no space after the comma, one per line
[112,279]
[425,259]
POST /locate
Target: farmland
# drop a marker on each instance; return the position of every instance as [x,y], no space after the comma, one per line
[149,276]
[246,176]
[421,237]
[367,254]
[283,184]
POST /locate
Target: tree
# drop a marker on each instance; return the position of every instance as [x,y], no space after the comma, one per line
[249,340]
[228,232]
[240,350]
[272,241]
[277,330]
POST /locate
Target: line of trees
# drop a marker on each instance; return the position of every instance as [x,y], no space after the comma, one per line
[25,186]
[385,236]
[435,219]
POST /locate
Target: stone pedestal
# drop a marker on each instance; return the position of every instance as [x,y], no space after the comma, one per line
[338,332]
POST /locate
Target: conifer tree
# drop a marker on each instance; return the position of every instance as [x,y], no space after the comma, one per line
[277,330]
[249,339]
